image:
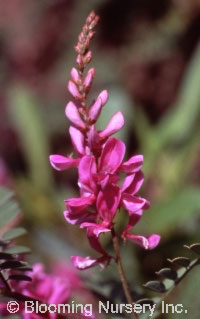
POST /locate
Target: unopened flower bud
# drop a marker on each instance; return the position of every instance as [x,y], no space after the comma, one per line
[87,58]
[81,37]
[73,115]
[79,61]
[90,18]
[74,90]
[88,79]
[104,97]
[75,76]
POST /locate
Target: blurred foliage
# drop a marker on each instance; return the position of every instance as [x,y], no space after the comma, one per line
[147,55]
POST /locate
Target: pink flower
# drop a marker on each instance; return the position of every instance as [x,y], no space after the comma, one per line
[101,196]
[100,164]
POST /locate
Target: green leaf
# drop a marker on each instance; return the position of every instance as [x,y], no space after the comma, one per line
[167,273]
[195,248]
[181,261]
[13,264]
[15,250]
[26,117]
[156,286]
[6,256]
[8,211]
[5,195]
[13,233]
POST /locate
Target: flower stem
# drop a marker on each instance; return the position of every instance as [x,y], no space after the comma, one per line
[121,271]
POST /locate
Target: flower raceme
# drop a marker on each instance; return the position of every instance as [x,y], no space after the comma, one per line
[100,164]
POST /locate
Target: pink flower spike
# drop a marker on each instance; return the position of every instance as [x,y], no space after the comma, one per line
[145,242]
[115,125]
[95,110]
[60,162]
[75,76]
[77,140]
[73,115]
[104,96]
[133,165]
[112,156]
[88,79]
[74,90]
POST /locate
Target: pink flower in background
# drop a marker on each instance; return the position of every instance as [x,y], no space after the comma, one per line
[54,288]
[100,163]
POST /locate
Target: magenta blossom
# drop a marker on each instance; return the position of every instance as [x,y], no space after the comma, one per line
[54,288]
[99,160]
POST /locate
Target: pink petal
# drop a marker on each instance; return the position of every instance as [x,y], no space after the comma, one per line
[88,79]
[86,169]
[60,162]
[132,203]
[88,262]
[104,179]
[93,140]
[115,124]
[104,97]
[83,263]
[136,183]
[93,232]
[145,242]
[133,165]
[153,241]
[79,218]
[127,182]
[77,140]
[76,205]
[75,76]
[96,229]
[112,155]
[73,115]
[95,110]
[107,202]
[74,90]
